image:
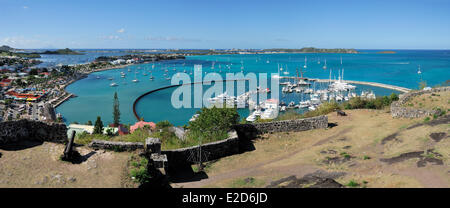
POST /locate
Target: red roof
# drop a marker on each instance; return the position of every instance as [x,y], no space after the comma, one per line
[141,124]
[22,95]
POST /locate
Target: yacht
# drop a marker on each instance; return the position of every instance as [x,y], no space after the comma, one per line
[251,118]
[113,84]
[271,109]
[419,72]
[312,108]
[325,66]
[304,104]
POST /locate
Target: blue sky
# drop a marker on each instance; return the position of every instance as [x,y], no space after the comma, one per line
[362,24]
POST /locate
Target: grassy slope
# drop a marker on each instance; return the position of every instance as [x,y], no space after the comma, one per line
[358,135]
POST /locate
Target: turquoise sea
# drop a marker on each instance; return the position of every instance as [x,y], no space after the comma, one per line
[95,96]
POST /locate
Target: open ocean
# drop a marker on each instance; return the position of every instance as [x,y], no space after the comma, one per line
[95,96]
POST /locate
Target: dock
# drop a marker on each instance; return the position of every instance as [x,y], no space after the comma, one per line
[62,99]
[375,84]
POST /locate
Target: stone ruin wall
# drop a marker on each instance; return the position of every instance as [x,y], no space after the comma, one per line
[27,130]
[398,110]
[252,130]
[218,149]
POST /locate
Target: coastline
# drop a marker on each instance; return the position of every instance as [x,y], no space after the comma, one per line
[84,75]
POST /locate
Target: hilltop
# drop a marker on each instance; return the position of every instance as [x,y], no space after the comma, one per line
[6,48]
[366,148]
[62,52]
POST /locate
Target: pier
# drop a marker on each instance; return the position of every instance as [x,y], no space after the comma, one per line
[375,84]
[62,99]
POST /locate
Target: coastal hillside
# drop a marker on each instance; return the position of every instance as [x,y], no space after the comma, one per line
[366,148]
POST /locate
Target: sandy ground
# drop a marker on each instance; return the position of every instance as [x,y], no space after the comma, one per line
[39,166]
[355,146]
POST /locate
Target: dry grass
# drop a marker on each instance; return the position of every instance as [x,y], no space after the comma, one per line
[431,101]
[40,167]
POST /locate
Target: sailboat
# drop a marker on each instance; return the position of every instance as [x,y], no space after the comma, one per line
[151,76]
[286,72]
[135,79]
[419,72]
[305,63]
[318,62]
[325,66]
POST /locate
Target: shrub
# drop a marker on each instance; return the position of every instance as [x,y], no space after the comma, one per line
[352,183]
[357,102]
[213,124]
[163,124]
[139,172]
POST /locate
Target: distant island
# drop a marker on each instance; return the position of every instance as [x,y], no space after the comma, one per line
[313,50]
[386,52]
[259,51]
[8,51]
[62,52]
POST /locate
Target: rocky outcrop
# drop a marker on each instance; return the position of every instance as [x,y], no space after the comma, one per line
[398,110]
[27,130]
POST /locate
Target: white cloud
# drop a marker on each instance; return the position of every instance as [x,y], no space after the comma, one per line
[19,42]
[25,7]
[121,30]
[111,37]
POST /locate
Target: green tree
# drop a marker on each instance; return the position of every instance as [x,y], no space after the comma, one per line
[116,110]
[98,127]
[213,123]
[393,97]
[89,123]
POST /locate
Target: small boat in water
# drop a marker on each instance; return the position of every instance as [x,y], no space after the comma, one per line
[113,84]
[135,79]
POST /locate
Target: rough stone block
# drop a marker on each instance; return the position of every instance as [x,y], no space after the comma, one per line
[159,160]
[153,145]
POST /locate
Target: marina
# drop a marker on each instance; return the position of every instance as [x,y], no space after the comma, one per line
[316,80]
